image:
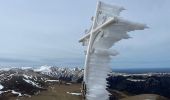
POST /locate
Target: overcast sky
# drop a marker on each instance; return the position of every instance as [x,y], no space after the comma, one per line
[38,32]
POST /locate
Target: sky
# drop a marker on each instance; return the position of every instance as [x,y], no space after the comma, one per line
[46,32]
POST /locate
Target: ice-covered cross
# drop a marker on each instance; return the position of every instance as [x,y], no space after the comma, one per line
[107,29]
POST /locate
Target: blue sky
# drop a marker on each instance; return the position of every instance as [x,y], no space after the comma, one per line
[38,32]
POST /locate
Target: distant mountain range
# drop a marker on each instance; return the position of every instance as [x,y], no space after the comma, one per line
[142,70]
[30,81]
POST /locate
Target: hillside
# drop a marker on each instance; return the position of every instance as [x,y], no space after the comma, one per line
[56,92]
[43,84]
[145,97]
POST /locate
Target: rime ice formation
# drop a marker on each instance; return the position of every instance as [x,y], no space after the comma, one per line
[107,29]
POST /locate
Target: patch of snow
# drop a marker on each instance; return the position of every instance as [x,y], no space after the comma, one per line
[1,92]
[52,80]
[26,76]
[74,93]
[32,83]
[24,68]
[44,68]
[68,83]
[11,75]
[1,87]
[27,95]
[14,92]
[135,80]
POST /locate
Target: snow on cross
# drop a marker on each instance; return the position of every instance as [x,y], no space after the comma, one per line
[107,29]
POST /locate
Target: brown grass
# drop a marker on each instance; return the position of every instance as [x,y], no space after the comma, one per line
[145,97]
[56,92]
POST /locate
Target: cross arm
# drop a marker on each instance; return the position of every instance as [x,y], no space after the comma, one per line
[112,20]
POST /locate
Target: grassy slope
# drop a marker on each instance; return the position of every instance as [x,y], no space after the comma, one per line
[145,97]
[56,92]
